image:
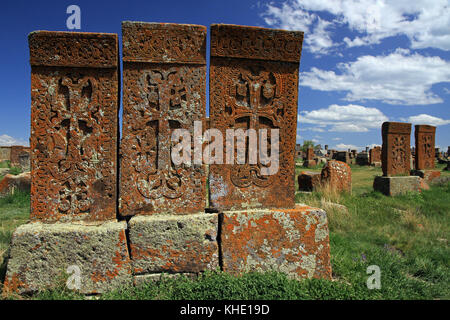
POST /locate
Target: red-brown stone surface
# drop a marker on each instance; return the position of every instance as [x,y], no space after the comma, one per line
[74,103]
[337,176]
[254,84]
[425,137]
[396,150]
[294,241]
[163,90]
[375,155]
[10,183]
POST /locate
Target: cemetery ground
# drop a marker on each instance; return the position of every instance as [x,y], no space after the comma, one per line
[406,236]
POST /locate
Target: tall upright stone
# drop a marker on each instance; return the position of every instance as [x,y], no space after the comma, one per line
[164,83]
[395,158]
[74,122]
[254,85]
[425,153]
[425,137]
[375,156]
[309,161]
[396,150]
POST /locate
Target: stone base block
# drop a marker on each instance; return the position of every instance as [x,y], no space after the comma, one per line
[392,186]
[93,258]
[174,244]
[308,180]
[427,175]
[294,241]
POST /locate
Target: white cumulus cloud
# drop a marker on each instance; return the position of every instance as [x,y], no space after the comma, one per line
[425,23]
[426,119]
[397,78]
[348,118]
[6,140]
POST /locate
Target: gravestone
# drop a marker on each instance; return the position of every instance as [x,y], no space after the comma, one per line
[253,77]
[425,137]
[396,151]
[253,85]
[342,156]
[308,181]
[395,158]
[375,156]
[16,151]
[362,158]
[337,176]
[24,161]
[309,161]
[5,153]
[163,89]
[74,104]
[424,155]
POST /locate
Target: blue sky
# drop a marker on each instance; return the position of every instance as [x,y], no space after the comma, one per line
[363,61]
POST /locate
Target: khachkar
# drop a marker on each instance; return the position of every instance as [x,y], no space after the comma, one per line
[254,85]
[74,122]
[395,160]
[164,85]
[425,153]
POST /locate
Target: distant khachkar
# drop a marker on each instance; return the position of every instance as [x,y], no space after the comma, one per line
[425,154]
[254,85]
[74,102]
[396,150]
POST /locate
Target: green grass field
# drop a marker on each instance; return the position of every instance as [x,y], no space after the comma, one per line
[406,236]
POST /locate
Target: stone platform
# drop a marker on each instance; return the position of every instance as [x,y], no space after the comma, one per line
[392,186]
[294,241]
[40,255]
[174,244]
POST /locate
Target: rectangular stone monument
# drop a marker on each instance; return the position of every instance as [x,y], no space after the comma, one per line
[396,150]
[164,83]
[425,137]
[254,85]
[309,161]
[375,156]
[395,158]
[74,103]
[16,151]
[424,154]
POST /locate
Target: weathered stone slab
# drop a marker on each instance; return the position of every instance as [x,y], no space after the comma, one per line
[375,156]
[16,151]
[396,150]
[74,122]
[392,186]
[254,85]
[309,162]
[294,241]
[337,175]
[308,180]
[5,153]
[40,255]
[362,159]
[174,243]
[10,183]
[164,83]
[425,138]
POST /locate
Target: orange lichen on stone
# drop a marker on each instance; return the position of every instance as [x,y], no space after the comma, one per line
[337,175]
[294,241]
